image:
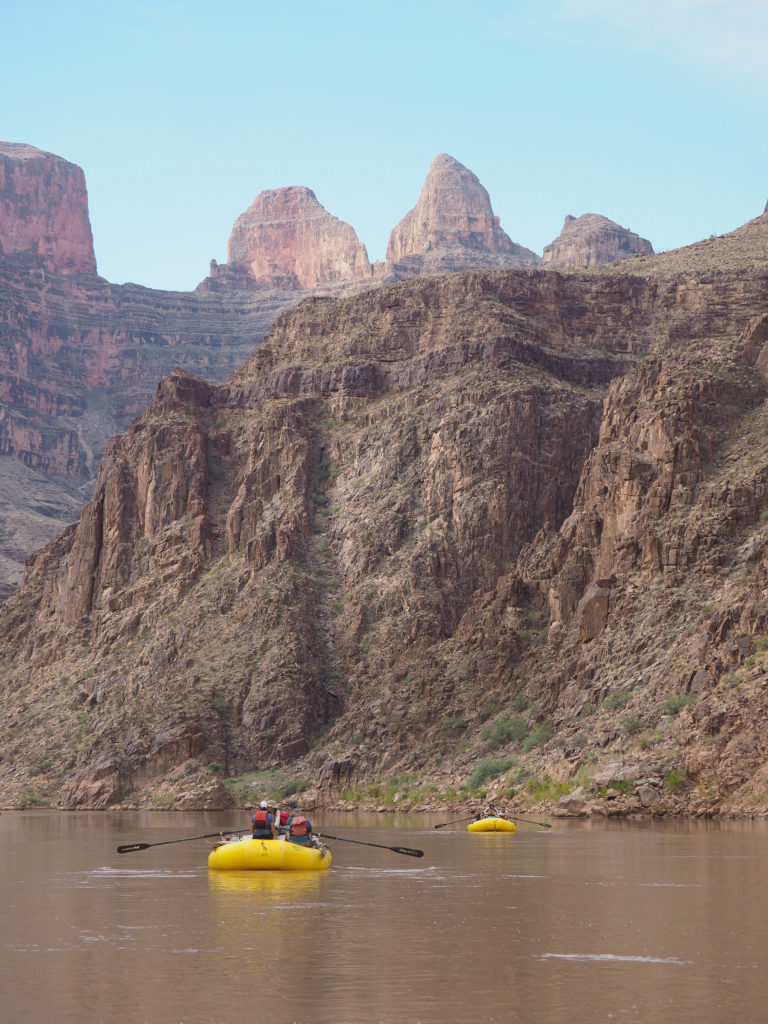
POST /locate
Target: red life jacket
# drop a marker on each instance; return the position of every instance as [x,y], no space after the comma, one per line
[298,826]
[260,823]
[284,816]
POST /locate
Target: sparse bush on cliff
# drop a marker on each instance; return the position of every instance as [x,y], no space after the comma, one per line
[674,780]
[675,704]
[539,735]
[547,788]
[506,730]
[489,768]
[632,724]
[616,700]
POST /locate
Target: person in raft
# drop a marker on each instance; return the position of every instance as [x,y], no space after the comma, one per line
[263,822]
[281,820]
[299,827]
[490,812]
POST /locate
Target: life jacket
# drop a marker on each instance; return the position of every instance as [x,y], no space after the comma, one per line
[284,816]
[261,824]
[298,825]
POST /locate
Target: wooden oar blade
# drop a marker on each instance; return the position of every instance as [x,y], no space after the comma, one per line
[133,847]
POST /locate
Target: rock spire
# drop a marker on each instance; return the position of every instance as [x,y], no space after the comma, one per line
[453,227]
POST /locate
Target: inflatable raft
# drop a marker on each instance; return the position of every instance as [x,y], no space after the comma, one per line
[248,854]
[492,825]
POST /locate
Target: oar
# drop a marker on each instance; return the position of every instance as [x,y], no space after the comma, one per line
[135,847]
[406,850]
[470,818]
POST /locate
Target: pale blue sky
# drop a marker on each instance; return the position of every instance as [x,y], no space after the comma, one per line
[652,113]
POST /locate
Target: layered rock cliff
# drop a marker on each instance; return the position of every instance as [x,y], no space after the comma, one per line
[456,511]
[452,227]
[79,358]
[591,239]
[44,210]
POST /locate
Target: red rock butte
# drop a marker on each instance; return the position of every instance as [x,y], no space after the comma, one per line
[44,210]
[287,239]
[591,239]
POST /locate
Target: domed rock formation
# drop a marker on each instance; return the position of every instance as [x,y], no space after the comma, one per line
[44,209]
[452,227]
[590,239]
[287,240]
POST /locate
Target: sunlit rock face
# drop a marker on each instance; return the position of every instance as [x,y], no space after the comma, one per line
[44,210]
[591,239]
[287,240]
[453,227]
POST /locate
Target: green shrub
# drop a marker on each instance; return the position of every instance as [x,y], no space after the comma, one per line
[547,788]
[614,701]
[290,787]
[675,704]
[506,730]
[625,786]
[488,768]
[489,710]
[632,724]
[539,735]
[674,780]
[520,703]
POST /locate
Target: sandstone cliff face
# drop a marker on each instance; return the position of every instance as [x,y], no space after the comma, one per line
[79,358]
[591,239]
[287,240]
[452,227]
[44,210]
[408,510]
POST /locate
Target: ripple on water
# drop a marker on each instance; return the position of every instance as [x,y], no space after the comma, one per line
[615,958]
[108,874]
[401,872]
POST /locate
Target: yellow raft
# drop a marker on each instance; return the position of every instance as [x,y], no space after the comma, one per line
[248,854]
[492,825]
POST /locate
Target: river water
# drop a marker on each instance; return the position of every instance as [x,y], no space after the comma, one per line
[587,922]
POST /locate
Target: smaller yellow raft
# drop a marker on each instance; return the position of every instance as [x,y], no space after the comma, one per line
[492,825]
[248,854]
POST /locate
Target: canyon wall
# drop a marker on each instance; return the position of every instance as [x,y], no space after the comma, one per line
[410,511]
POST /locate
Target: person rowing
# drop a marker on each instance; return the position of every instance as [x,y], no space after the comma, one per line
[489,812]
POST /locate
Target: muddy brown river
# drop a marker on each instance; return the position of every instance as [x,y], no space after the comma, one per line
[591,921]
